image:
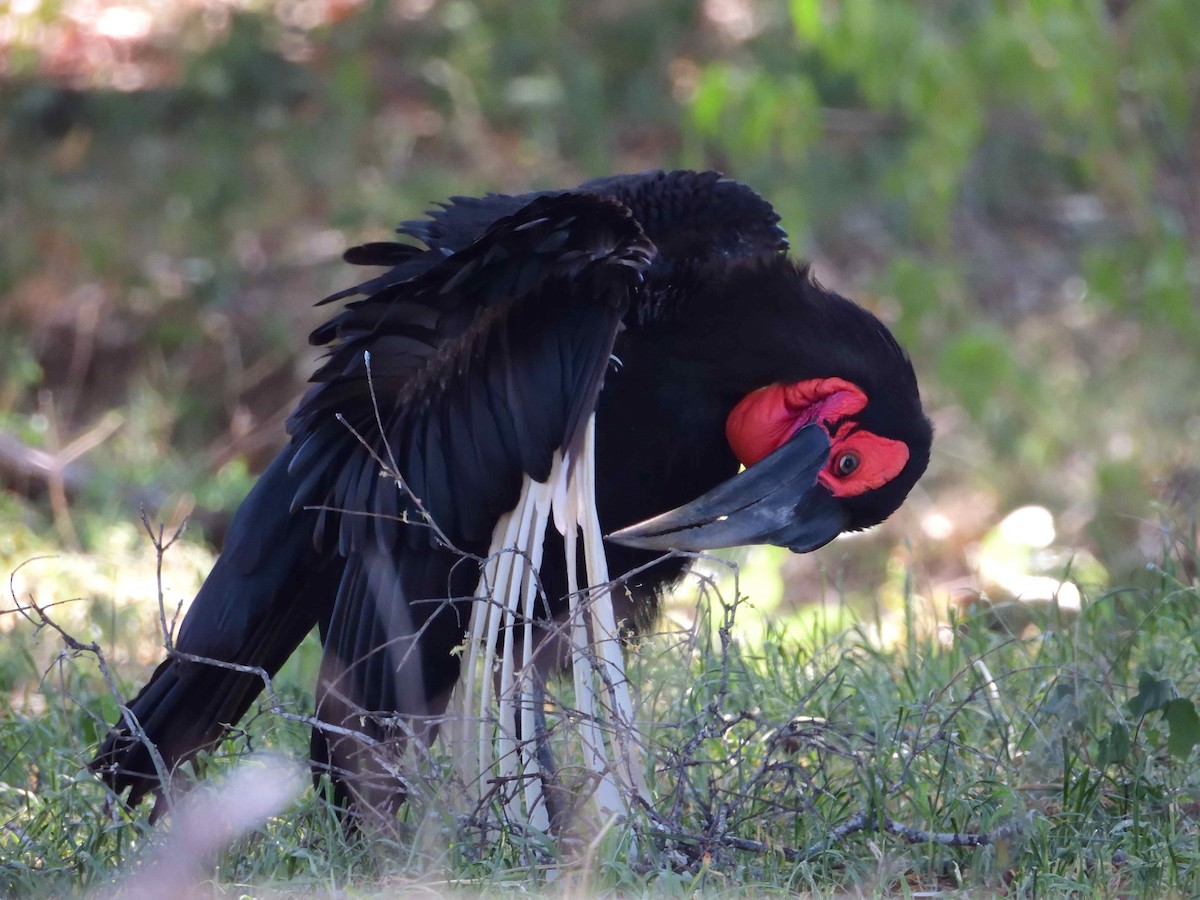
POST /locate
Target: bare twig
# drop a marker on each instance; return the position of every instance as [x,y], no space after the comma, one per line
[79,647]
[160,549]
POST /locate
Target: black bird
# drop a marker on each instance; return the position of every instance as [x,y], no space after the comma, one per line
[643,333]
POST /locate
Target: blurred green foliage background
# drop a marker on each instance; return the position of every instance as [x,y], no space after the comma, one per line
[1014,187]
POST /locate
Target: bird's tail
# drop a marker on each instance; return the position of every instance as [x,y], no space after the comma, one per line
[265,593]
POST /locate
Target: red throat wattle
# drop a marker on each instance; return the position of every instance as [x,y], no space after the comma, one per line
[859,460]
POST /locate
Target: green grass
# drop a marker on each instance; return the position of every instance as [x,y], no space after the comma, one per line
[1072,745]
[1023,227]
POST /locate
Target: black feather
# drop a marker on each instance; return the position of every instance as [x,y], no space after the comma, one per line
[381,253]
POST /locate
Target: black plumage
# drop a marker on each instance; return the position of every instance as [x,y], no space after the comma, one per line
[657,303]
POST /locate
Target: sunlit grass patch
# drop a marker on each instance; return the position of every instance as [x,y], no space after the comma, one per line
[107,594]
[821,756]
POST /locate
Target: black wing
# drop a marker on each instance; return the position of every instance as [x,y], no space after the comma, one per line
[467,377]
[477,369]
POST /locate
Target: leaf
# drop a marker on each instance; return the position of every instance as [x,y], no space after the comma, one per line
[1115,746]
[806,19]
[977,365]
[1185,727]
[711,98]
[1153,693]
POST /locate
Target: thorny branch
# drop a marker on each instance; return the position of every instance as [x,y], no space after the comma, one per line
[735,772]
[706,817]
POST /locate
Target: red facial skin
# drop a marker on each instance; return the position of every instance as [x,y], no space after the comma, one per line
[859,461]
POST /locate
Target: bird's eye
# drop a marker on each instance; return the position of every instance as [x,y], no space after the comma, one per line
[846,464]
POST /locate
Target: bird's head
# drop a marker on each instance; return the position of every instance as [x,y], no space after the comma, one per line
[834,445]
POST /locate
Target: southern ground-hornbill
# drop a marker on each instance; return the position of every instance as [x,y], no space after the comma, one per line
[551,366]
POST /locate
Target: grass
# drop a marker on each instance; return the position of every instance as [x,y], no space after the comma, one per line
[163,251]
[806,760]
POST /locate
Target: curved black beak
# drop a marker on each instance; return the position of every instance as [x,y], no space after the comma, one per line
[776,501]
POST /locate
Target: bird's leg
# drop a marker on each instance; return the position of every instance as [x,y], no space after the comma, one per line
[556,798]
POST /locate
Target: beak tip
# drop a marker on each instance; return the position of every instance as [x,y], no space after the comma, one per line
[765,504]
[635,536]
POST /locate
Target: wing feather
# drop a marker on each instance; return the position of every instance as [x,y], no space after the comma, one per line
[481,365]
[501,310]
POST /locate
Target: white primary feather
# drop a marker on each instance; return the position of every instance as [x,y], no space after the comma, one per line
[506,743]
